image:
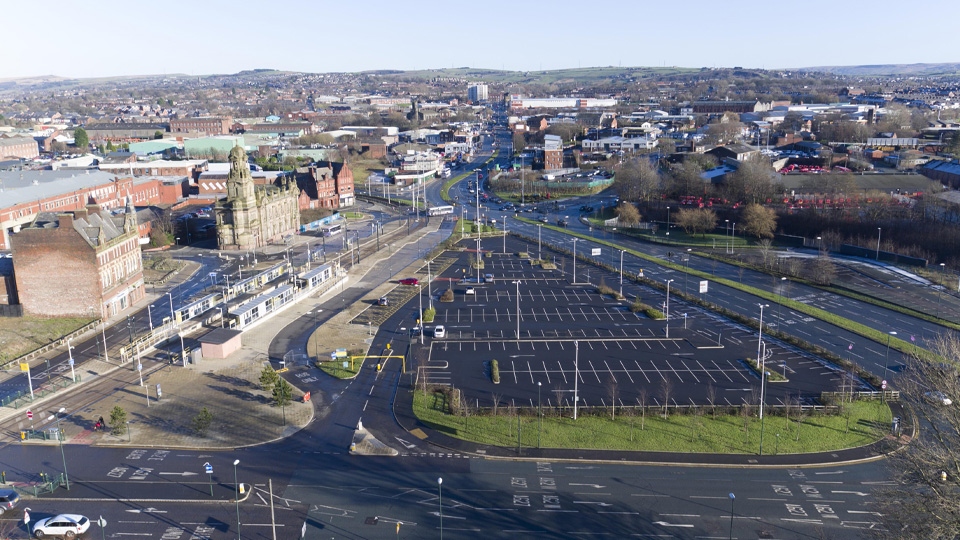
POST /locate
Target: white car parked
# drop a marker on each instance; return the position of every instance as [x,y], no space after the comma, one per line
[65,525]
[439,331]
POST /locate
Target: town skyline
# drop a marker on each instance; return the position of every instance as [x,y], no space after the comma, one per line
[519,36]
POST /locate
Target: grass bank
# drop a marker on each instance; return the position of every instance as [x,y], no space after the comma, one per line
[860,423]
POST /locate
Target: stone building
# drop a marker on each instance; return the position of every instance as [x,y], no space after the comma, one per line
[327,185]
[85,263]
[254,215]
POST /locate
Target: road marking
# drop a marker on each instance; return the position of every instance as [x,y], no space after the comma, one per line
[860,493]
[593,502]
[185,473]
[596,486]
[665,524]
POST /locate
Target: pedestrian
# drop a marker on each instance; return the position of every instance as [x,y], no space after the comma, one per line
[100,424]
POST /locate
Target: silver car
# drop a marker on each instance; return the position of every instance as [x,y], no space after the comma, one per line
[65,525]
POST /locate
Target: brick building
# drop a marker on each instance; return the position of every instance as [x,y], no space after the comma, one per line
[29,193]
[552,152]
[18,147]
[84,263]
[325,186]
[210,125]
[119,132]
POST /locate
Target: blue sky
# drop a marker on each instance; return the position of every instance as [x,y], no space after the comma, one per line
[99,38]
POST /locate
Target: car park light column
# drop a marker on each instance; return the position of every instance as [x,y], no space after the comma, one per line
[669,281]
[517,283]
[575,260]
[236,494]
[576,376]
[760,359]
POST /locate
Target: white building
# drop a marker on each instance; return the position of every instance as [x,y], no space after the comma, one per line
[477,92]
[614,144]
[520,102]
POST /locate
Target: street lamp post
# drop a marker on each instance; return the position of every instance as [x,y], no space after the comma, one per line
[940,290]
[783,282]
[73,374]
[56,415]
[760,359]
[236,494]
[576,376]
[669,281]
[539,414]
[668,221]
[150,316]
[732,499]
[575,260]
[621,273]
[878,243]
[517,283]
[819,244]
[886,362]
[440,503]
[539,257]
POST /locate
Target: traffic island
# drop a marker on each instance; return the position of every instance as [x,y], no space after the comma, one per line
[365,444]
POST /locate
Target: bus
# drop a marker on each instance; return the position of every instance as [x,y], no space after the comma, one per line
[439,210]
[331,230]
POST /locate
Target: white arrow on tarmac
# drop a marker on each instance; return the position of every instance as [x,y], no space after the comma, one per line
[596,486]
[405,443]
[114,535]
[520,355]
[665,524]
[598,503]
[579,468]
[864,512]
[860,493]
[148,511]
[185,473]
[448,517]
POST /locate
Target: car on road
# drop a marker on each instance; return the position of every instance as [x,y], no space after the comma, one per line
[544,219]
[488,278]
[439,331]
[562,222]
[938,397]
[470,290]
[8,500]
[410,281]
[383,301]
[65,525]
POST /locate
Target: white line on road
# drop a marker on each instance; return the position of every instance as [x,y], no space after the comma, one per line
[665,524]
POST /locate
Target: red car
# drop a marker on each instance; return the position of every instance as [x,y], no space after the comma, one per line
[410,281]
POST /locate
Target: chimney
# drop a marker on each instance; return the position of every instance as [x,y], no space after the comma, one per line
[93,209]
[65,221]
[80,214]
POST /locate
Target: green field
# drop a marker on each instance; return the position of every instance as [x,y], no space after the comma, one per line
[862,423]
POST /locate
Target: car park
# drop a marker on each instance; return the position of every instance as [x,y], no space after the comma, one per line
[409,281]
[8,500]
[64,525]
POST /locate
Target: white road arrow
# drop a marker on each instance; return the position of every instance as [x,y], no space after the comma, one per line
[595,486]
[665,524]
[179,473]
[147,511]
[405,443]
[865,512]
[860,493]
[593,502]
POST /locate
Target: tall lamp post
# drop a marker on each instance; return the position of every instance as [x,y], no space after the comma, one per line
[575,260]
[56,415]
[760,360]
[621,273]
[783,283]
[539,414]
[440,505]
[732,499]
[878,242]
[940,290]
[70,348]
[887,361]
[517,283]
[236,493]
[669,281]
[538,242]
[668,221]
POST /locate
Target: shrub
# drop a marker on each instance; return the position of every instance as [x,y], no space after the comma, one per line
[429,314]
[447,296]
[494,372]
[201,422]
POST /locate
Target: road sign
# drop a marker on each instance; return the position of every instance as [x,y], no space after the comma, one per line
[703,286]
[102,522]
[30,415]
[139,367]
[208,468]
[883,385]
[594,252]
[212,274]
[159,392]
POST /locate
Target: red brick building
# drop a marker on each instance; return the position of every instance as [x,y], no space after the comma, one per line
[210,125]
[85,263]
[326,186]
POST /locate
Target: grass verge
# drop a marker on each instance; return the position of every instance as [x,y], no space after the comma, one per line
[335,369]
[861,423]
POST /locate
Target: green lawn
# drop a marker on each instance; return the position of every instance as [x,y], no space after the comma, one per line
[867,421]
[335,368]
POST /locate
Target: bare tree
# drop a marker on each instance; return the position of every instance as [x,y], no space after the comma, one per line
[496,402]
[926,473]
[666,389]
[558,391]
[612,391]
[643,406]
[712,398]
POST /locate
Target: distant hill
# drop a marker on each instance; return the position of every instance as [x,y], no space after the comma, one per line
[891,70]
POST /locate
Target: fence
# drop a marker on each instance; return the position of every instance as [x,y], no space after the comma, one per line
[48,485]
[22,398]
